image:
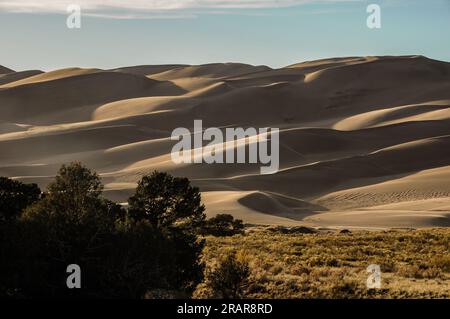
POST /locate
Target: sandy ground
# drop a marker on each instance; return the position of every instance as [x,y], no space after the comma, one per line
[364,141]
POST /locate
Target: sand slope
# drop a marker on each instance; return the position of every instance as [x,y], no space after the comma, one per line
[364,141]
[4,70]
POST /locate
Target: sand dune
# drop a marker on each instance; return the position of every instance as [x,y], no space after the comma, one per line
[364,141]
[148,70]
[17,76]
[4,70]
[39,101]
[50,76]
[437,110]
[214,70]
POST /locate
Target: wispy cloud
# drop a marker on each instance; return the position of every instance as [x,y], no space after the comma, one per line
[148,9]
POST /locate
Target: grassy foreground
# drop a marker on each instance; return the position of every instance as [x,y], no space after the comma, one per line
[331,264]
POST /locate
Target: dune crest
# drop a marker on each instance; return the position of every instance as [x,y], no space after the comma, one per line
[4,70]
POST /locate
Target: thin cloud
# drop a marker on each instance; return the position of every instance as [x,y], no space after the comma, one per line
[149,9]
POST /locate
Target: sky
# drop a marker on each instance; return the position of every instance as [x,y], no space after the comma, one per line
[277,33]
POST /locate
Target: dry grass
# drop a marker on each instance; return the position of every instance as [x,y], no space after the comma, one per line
[414,263]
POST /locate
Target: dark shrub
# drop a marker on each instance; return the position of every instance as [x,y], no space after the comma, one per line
[173,206]
[230,278]
[167,202]
[222,225]
[15,197]
[119,256]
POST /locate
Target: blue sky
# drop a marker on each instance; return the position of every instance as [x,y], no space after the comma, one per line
[33,34]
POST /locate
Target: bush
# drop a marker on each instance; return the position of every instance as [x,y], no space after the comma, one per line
[15,197]
[167,202]
[230,278]
[222,225]
[120,256]
[172,206]
[441,262]
[70,224]
[344,289]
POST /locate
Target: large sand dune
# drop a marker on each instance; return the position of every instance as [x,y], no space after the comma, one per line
[364,141]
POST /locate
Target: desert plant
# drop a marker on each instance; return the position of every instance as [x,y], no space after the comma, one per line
[119,256]
[230,278]
[171,205]
[222,225]
[15,196]
[418,263]
[167,202]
